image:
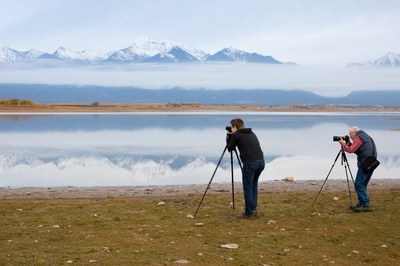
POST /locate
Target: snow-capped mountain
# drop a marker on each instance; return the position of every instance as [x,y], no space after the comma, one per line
[142,50]
[8,55]
[234,55]
[145,49]
[388,60]
[68,55]
[32,54]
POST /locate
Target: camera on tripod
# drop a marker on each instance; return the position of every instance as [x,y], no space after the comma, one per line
[345,138]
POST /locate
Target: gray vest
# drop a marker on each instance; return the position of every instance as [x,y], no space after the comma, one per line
[366,149]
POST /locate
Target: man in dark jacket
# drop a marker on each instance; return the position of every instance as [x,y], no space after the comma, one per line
[252,158]
[363,145]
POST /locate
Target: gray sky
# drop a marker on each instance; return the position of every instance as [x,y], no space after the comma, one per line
[307,32]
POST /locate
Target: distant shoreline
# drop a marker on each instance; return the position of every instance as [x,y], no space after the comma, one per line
[178,107]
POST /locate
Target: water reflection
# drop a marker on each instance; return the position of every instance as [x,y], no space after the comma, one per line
[158,149]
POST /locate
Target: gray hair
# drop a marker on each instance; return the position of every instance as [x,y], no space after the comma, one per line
[354,129]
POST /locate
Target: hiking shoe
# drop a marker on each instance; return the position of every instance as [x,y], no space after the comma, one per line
[247,216]
[363,209]
[358,205]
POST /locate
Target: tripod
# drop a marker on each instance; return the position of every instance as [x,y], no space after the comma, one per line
[212,177]
[345,163]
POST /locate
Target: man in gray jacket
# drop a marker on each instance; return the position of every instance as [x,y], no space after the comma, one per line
[363,145]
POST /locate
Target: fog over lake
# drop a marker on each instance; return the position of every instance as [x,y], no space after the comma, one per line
[110,149]
[323,80]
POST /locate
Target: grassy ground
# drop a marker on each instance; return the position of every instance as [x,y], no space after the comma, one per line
[139,231]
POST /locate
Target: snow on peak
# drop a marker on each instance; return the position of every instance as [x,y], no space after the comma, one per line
[144,49]
[33,54]
[236,54]
[67,54]
[9,55]
[84,56]
[389,59]
[148,47]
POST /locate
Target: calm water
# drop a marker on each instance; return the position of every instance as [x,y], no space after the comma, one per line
[184,148]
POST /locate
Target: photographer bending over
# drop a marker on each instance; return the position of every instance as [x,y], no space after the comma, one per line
[252,158]
[363,145]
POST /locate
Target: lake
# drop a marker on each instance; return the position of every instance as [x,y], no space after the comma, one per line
[116,149]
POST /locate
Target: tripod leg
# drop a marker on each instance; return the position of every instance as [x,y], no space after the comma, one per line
[337,156]
[233,183]
[209,183]
[346,165]
[348,185]
[238,159]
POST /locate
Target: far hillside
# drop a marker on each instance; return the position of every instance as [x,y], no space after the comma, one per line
[264,97]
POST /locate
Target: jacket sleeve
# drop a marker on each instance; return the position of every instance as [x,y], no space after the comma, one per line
[354,146]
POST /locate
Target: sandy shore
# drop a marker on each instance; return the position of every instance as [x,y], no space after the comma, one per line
[185,190]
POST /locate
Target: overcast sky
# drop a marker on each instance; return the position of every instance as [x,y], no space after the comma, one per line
[306,32]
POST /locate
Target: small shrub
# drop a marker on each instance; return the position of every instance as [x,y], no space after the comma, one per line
[26,102]
[16,102]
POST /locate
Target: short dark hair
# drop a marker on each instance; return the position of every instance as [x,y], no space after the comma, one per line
[237,122]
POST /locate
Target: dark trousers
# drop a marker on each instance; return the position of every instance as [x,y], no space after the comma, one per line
[360,184]
[250,174]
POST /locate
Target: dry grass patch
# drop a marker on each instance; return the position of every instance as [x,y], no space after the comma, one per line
[139,231]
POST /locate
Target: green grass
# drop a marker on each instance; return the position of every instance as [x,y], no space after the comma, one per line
[137,231]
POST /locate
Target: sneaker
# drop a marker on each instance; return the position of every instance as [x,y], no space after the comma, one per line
[358,205]
[247,216]
[363,209]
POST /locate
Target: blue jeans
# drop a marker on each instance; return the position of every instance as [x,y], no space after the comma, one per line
[360,184]
[250,173]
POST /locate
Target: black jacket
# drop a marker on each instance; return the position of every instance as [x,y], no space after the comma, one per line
[247,143]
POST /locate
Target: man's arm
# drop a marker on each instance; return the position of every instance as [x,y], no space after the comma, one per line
[353,147]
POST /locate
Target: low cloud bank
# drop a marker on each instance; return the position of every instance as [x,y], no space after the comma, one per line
[324,80]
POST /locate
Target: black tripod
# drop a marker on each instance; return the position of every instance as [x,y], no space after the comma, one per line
[212,177]
[345,163]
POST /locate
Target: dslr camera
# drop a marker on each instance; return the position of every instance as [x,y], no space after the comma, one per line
[345,138]
[229,129]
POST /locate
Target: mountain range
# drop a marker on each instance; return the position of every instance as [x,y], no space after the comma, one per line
[143,50]
[147,50]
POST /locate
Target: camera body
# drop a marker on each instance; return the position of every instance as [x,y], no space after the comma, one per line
[345,138]
[229,129]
